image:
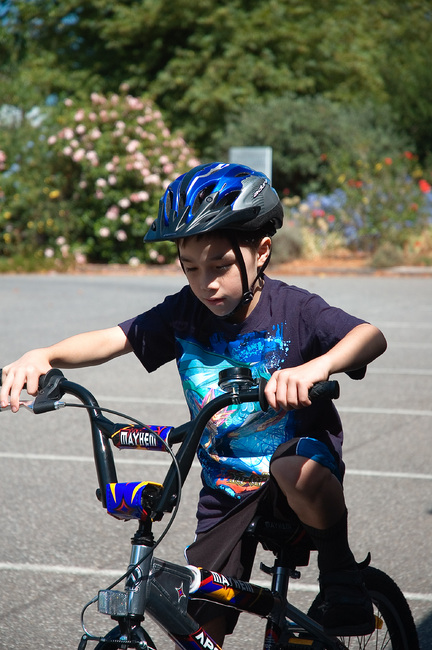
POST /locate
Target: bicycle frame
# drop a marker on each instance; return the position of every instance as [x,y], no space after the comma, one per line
[162,589]
[157,587]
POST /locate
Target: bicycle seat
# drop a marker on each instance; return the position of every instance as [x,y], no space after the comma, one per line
[282,537]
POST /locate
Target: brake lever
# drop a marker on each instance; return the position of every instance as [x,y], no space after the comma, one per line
[41,407]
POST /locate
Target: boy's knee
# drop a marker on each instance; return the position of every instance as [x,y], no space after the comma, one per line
[297,475]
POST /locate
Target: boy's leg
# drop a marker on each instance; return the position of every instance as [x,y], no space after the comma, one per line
[317,498]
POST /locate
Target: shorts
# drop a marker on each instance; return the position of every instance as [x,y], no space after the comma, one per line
[225,550]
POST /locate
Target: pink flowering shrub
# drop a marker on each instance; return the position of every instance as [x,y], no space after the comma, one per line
[86,186]
[115,157]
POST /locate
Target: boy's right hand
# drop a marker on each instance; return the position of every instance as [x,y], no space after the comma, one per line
[25,370]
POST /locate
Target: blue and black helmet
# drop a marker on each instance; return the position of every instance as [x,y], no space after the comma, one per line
[217,196]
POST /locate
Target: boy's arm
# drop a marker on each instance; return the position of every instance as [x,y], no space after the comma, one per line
[288,388]
[87,349]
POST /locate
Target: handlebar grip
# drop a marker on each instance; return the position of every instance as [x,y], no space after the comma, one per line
[320,390]
[324,390]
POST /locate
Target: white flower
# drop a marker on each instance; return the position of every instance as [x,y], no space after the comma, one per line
[80,258]
[124,203]
[49,252]
[121,235]
[95,133]
[104,232]
[134,261]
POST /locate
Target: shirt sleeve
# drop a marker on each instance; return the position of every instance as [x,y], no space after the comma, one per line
[322,326]
[151,335]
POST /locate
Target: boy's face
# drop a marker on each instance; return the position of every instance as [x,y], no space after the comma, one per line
[211,268]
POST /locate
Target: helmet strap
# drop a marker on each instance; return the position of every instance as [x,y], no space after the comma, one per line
[247,291]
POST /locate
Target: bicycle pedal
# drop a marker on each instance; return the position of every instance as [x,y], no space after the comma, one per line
[266,569]
[293,573]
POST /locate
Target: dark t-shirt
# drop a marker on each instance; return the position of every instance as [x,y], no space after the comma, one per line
[288,327]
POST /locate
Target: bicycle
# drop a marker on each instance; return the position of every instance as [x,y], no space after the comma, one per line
[161,588]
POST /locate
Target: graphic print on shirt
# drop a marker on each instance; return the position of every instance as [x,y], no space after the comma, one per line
[239,441]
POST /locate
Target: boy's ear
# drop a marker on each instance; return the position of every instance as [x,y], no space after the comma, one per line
[264,250]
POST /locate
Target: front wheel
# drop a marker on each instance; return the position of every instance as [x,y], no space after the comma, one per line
[396,630]
[112,640]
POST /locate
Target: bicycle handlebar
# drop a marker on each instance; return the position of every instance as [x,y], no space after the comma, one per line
[240,389]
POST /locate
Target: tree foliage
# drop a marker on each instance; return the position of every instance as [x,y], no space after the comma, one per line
[203,61]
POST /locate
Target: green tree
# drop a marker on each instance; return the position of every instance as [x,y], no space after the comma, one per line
[202,61]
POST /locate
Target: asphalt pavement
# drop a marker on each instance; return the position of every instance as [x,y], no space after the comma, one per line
[58,547]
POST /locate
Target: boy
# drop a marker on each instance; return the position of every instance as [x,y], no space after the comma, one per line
[222,217]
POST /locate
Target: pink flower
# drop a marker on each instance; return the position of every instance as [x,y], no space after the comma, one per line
[78,155]
[67,133]
[137,197]
[112,213]
[80,258]
[132,146]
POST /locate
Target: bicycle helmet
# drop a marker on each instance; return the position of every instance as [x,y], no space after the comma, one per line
[217,196]
[220,196]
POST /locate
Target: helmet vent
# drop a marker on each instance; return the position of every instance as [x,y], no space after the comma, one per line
[229,198]
[169,201]
[201,197]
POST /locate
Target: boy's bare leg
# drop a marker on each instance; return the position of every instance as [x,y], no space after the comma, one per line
[312,491]
[317,497]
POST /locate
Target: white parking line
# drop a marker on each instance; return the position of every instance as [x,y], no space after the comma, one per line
[165,462]
[116,573]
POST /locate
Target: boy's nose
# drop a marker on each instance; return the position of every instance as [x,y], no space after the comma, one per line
[208,281]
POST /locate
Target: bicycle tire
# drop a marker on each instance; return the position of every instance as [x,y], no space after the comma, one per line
[398,630]
[138,634]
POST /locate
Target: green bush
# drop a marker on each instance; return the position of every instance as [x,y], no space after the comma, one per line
[93,189]
[306,132]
